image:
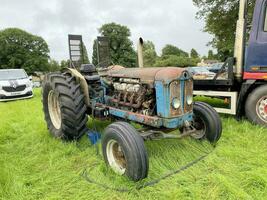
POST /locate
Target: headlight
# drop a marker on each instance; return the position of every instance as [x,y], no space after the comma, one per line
[189,100]
[176,103]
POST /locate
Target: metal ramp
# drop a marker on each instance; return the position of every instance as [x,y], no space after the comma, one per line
[76,50]
[103,52]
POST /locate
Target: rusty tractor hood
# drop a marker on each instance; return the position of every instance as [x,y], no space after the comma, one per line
[149,75]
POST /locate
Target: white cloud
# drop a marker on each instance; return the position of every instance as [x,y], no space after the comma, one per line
[163,22]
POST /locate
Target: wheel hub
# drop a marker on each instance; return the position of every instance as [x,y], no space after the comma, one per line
[200,127]
[54,109]
[262,108]
[116,157]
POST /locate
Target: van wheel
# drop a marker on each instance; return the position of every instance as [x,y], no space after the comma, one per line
[256,106]
[207,123]
[124,151]
[64,106]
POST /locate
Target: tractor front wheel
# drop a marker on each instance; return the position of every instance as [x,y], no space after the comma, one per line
[124,151]
[207,123]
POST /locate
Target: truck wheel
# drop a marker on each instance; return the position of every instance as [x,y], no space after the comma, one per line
[64,106]
[207,123]
[124,151]
[256,106]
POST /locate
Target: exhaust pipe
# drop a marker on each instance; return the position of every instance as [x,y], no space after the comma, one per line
[140,52]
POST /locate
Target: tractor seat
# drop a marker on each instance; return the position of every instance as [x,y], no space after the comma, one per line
[88,69]
[89,72]
[92,78]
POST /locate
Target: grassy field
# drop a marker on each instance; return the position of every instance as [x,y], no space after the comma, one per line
[33,165]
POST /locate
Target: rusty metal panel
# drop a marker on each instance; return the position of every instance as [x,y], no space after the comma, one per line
[149,75]
[168,74]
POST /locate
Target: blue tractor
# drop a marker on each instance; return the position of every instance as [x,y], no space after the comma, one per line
[160,99]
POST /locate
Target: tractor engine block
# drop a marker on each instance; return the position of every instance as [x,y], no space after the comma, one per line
[134,96]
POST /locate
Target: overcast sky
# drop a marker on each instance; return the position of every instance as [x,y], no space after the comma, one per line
[163,22]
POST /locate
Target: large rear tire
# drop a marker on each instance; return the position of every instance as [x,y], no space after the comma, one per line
[64,106]
[207,122]
[256,106]
[124,151]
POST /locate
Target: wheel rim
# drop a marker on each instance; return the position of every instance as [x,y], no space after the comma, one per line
[54,109]
[116,157]
[200,127]
[261,108]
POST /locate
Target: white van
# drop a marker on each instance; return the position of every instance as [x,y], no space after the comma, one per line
[15,84]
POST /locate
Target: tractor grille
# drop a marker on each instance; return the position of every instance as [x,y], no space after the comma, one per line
[176,91]
[188,92]
[14,89]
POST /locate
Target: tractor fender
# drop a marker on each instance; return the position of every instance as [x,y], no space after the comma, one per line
[81,80]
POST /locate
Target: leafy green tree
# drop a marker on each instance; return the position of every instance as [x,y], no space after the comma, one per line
[94,56]
[194,53]
[211,55]
[85,55]
[53,66]
[121,47]
[64,64]
[149,53]
[220,17]
[19,49]
[176,61]
[173,50]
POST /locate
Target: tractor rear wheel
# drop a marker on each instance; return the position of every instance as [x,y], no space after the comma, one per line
[207,123]
[124,151]
[64,106]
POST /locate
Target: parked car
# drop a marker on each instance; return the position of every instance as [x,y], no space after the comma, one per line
[15,84]
[200,73]
[215,68]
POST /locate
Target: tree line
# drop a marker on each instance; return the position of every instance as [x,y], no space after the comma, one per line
[20,49]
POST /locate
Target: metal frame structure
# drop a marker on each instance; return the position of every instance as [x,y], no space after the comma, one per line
[76,50]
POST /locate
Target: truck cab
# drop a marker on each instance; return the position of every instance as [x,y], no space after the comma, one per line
[256,57]
[245,86]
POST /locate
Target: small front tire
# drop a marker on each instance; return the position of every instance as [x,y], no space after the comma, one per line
[124,151]
[207,122]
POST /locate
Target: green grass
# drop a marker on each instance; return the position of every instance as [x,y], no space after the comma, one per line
[33,165]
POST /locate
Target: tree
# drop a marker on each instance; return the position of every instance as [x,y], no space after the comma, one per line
[121,47]
[211,55]
[149,53]
[85,55]
[173,50]
[94,57]
[176,61]
[194,54]
[220,17]
[54,66]
[19,49]
[64,64]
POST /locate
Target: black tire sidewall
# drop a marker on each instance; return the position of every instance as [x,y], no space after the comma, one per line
[211,120]
[46,90]
[133,148]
